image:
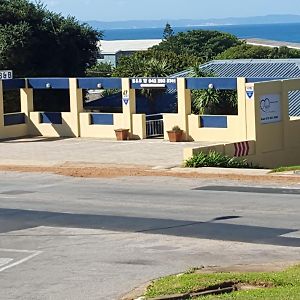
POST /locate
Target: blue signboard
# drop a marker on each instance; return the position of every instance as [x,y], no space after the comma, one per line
[153,83]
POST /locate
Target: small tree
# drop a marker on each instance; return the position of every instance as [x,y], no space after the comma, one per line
[102,69]
[212,101]
[37,42]
[168,32]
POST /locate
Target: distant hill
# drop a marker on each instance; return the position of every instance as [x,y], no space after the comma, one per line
[269,19]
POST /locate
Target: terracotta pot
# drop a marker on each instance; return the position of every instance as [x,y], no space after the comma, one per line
[122,134]
[175,136]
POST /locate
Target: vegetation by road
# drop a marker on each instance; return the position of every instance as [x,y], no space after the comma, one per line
[215,159]
[283,285]
[286,169]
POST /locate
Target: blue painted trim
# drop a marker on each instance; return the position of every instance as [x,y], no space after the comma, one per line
[219,83]
[102,119]
[14,119]
[261,79]
[106,83]
[54,83]
[213,121]
[51,118]
[13,84]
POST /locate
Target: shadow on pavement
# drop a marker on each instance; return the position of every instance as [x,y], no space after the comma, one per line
[14,220]
[37,139]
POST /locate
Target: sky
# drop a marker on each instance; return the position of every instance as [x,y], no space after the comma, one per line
[120,10]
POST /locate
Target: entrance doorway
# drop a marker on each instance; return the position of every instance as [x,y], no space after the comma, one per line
[154,126]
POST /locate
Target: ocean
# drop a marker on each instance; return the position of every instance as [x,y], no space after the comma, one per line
[276,32]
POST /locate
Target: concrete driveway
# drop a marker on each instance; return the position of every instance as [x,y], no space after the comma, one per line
[51,151]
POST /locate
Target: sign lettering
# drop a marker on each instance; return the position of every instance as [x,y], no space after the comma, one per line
[140,83]
[6,74]
[270,108]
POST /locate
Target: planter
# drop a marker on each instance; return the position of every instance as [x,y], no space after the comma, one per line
[175,136]
[122,134]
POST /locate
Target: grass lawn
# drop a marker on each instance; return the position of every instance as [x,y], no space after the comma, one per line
[283,285]
[286,169]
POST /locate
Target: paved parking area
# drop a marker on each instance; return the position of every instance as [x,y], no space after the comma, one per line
[51,151]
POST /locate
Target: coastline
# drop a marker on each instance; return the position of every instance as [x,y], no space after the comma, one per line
[271,43]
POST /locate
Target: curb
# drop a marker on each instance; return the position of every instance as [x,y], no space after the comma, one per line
[115,171]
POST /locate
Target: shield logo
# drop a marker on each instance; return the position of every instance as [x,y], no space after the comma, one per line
[250,94]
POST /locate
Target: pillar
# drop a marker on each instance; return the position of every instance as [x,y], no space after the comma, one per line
[184,106]
[241,101]
[1,108]
[128,104]
[26,96]
[76,105]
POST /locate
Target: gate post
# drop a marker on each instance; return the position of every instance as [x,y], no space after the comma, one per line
[76,105]
[128,104]
[1,108]
[26,97]
[242,105]
[184,106]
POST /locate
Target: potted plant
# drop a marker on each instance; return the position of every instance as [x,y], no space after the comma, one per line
[122,134]
[175,135]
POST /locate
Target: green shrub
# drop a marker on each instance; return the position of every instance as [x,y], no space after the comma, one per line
[176,128]
[215,159]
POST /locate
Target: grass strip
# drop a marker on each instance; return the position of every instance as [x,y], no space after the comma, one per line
[286,169]
[270,285]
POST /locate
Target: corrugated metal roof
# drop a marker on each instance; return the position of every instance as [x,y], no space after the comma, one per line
[256,68]
[294,103]
[274,68]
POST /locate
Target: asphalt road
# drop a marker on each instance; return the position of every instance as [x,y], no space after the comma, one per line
[76,238]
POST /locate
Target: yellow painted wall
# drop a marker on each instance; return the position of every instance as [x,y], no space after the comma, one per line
[274,144]
[234,132]
[270,159]
[76,107]
[54,130]
[292,136]
[190,123]
[70,126]
[171,120]
[237,125]
[190,151]
[128,108]
[108,131]
[139,126]
[12,131]
[99,131]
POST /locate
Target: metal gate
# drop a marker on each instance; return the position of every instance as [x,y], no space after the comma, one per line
[154,125]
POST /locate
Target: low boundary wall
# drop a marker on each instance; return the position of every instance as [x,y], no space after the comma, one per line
[263,115]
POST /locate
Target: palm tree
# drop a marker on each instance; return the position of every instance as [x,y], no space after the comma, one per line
[203,101]
[154,68]
[212,101]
